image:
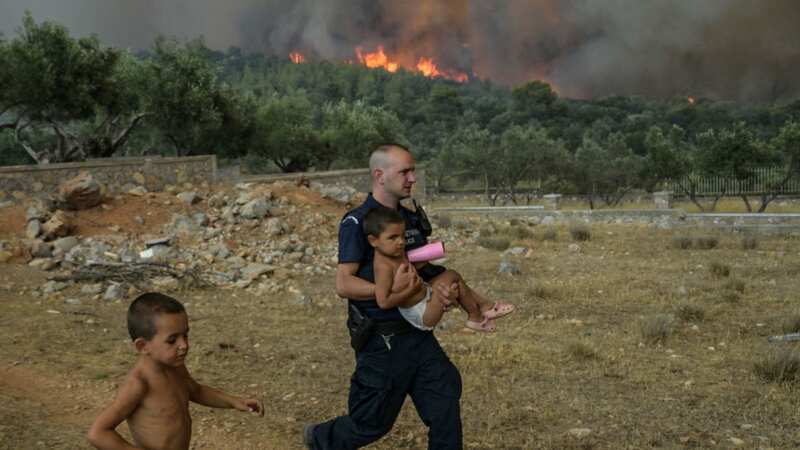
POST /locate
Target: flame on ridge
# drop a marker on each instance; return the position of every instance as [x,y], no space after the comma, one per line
[379,59]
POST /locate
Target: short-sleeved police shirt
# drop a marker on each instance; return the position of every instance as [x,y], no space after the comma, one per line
[354,248]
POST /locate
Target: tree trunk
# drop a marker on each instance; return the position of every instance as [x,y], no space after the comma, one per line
[746,203]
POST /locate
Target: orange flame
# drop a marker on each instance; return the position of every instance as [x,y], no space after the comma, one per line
[429,69]
[426,66]
[691,100]
[297,57]
[377,59]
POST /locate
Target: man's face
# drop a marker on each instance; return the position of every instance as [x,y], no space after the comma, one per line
[400,174]
[170,344]
[391,241]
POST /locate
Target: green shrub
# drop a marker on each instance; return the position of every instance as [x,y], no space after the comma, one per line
[706,242]
[779,366]
[580,232]
[541,292]
[444,221]
[520,232]
[494,243]
[689,312]
[682,242]
[791,324]
[550,234]
[657,328]
[730,296]
[735,284]
[581,351]
[749,242]
[719,269]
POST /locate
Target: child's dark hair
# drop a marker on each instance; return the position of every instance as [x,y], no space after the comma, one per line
[377,219]
[142,313]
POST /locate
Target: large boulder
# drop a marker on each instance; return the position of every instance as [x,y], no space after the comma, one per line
[81,192]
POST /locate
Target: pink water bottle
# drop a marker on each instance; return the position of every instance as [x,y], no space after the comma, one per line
[429,252]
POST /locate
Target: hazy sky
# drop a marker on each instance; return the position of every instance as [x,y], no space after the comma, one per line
[729,49]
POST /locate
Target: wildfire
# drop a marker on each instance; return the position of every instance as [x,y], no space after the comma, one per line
[297,57]
[377,59]
[426,66]
[691,100]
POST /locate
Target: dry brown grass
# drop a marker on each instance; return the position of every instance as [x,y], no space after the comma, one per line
[568,358]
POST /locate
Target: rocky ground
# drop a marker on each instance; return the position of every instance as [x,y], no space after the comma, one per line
[626,336]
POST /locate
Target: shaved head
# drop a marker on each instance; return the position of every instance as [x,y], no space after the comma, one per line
[379,159]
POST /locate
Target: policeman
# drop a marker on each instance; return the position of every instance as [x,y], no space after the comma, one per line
[393,359]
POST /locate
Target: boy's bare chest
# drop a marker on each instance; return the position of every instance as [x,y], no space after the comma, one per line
[167,397]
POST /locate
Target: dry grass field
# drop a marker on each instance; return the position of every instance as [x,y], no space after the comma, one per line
[622,341]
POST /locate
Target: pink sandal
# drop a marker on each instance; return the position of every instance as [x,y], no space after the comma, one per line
[499,309]
[485,326]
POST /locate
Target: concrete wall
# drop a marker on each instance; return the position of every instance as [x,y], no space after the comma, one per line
[114,173]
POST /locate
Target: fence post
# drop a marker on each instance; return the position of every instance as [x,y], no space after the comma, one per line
[552,202]
[663,199]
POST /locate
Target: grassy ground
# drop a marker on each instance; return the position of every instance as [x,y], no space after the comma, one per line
[644,344]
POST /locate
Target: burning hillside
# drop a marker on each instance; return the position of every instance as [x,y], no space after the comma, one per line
[391,63]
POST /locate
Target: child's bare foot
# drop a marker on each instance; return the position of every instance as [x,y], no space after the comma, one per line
[499,309]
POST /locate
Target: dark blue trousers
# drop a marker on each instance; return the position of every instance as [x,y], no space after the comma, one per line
[417,366]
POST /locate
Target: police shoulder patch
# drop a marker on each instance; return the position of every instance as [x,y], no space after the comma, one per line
[349,217]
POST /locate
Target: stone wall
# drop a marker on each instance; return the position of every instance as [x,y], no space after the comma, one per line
[356,178]
[114,173]
[787,223]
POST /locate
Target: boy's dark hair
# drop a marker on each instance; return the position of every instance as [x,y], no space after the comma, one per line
[377,219]
[142,313]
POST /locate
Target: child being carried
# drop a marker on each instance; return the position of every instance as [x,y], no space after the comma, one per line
[418,303]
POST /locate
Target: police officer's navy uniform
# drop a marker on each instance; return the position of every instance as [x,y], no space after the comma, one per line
[391,366]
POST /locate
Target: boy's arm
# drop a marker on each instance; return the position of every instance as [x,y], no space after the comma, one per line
[384,281]
[348,285]
[214,398]
[102,433]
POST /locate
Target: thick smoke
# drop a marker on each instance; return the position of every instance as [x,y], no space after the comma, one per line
[725,49]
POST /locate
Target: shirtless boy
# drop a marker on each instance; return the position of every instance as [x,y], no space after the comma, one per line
[154,398]
[385,230]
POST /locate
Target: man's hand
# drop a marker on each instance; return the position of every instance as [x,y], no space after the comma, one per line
[447,295]
[405,277]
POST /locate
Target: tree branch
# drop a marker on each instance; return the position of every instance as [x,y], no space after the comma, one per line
[33,153]
[123,135]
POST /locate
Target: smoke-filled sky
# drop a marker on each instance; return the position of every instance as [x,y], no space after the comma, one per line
[726,49]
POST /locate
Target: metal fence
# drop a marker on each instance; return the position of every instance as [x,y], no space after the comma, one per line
[758,183]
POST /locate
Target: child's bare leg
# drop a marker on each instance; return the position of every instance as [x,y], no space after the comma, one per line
[434,310]
[470,303]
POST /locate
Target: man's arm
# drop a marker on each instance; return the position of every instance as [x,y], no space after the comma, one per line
[348,285]
[214,398]
[103,434]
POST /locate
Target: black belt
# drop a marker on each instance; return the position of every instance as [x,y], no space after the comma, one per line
[393,327]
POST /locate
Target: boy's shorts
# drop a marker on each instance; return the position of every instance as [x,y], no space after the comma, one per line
[414,314]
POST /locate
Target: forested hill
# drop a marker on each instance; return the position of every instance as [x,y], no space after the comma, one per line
[66,99]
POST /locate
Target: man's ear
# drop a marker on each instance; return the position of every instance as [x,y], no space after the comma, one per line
[140,344]
[373,241]
[377,175]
